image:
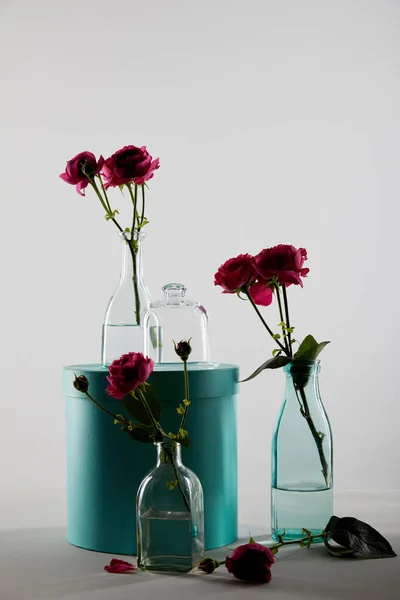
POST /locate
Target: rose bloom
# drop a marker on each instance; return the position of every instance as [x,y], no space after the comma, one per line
[127,373]
[238,272]
[130,164]
[235,273]
[76,176]
[284,262]
[251,562]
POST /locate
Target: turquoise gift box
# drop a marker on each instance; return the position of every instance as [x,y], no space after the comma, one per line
[105,466]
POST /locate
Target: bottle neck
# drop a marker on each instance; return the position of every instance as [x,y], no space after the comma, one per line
[132,256]
[167,449]
[302,377]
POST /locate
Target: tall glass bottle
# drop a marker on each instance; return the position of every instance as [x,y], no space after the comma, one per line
[170,515]
[122,328]
[301,490]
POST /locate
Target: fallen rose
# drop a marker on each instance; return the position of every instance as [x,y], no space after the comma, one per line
[251,562]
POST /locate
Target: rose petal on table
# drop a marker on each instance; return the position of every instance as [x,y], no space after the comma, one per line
[119,566]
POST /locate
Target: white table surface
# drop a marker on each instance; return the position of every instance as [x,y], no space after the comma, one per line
[37,563]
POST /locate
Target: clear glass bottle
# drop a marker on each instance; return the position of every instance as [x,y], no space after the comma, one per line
[122,327]
[176,318]
[301,489]
[170,515]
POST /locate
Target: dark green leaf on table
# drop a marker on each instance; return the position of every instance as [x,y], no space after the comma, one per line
[337,550]
[272,363]
[359,537]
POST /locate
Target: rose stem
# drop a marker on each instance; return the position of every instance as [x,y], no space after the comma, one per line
[278,297]
[134,201]
[304,539]
[263,322]
[171,458]
[143,205]
[285,300]
[318,440]
[105,193]
[109,212]
[102,407]
[186,378]
[133,253]
[155,425]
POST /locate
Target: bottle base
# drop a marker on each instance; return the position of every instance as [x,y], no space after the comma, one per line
[295,534]
[160,567]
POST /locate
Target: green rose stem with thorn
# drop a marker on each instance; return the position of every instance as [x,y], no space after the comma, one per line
[352,536]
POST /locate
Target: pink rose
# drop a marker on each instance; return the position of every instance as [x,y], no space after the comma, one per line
[235,273]
[284,262]
[127,165]
[238,272]
[119,566]
[251,562]
[127,373]
[81,169]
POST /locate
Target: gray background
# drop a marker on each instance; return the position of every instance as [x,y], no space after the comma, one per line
[274,122]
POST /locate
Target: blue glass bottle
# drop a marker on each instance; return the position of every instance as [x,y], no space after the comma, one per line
[301,488]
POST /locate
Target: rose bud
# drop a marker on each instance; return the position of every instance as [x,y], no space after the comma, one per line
[208,565]
[183,349]
[81,384]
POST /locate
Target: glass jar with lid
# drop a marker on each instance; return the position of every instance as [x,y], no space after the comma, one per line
[177,318]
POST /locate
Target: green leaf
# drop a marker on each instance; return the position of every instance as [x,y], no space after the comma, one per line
[337,550]
[153,401]
[359,537]
[309,348]
[135,407]
[140,433]
[184,442]
[111,215]
[251,540]
[272,363]
[276,336]
[331,524]
[276,352]
[145,222]
[172,484]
